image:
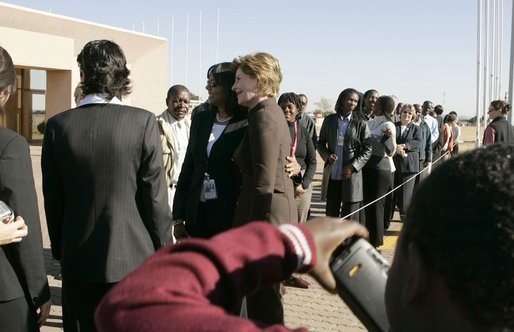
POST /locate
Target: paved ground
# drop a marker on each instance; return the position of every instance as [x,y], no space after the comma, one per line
[313,308]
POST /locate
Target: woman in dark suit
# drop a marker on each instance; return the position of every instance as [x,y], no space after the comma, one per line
[344,144]
[406,160]
[24,292]
[208,164]
[378,173]
[267,192]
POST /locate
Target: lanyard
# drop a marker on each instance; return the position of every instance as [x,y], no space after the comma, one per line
[293,148]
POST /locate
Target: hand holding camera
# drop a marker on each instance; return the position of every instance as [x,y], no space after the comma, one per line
[11,229]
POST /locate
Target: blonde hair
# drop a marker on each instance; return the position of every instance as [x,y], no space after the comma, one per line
[263,67]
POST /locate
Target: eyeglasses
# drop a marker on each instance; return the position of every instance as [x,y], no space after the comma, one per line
[211,84]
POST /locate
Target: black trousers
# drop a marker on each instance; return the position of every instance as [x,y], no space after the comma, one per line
[17,315]
[376,183]
[404,194]
[335,206]
[265,305]
[80,300]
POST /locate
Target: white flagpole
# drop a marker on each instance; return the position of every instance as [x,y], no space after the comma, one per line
[217,36]
[200,57]
[479,71]
[486,61]
[187,44]
[511,71]
[172,48]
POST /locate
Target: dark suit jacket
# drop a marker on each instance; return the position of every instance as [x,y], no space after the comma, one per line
[412,140]
[219,213]
[22,267]
[267,192]
[105,190]
[357,151]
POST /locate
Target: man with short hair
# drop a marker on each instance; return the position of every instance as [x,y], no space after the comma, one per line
[454,271]
[427,108]
[436,148]
[174,129]
[306,120]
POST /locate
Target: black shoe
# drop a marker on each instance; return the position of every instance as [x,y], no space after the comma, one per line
[296,282]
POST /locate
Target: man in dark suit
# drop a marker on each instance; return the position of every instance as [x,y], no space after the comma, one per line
[345,146]
[23,285]
[104,185]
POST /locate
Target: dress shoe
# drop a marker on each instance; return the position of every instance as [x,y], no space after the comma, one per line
[296,282]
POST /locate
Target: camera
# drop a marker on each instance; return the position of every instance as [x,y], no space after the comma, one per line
[361,275]
[6,213]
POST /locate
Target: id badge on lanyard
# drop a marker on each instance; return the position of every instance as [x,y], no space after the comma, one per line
[208,189]
[340,138]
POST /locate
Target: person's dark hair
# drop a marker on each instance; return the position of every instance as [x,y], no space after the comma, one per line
[175,90]
[104,69]
[453,112]
[438,109]
[342,96]
[370,91]
[224,74]
[290,97]
[452,117]
[473,248]
[7,71]
[501,105]
[387,105]
[399,107]
[303,95]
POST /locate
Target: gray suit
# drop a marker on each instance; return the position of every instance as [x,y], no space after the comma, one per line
[105,200]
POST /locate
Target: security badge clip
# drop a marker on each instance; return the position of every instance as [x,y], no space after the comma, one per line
[209,188]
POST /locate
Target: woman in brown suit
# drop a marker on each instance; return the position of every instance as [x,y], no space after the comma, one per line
[267,192]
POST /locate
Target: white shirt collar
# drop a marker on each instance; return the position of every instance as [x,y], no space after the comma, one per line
[99,98]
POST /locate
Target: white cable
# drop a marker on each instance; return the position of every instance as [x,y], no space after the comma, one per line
[396,188]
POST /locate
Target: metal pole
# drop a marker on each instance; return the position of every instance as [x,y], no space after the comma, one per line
[511,71]
[479,71]
[172,48]
[200,62]
[500,59]
[187,45]
[485,61]
[217,36]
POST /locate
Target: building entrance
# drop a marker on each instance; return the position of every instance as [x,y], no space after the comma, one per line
[25,111]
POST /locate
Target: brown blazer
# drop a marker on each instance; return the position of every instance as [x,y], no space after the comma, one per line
[267,192]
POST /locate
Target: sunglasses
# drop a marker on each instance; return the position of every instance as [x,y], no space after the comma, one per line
[212,84]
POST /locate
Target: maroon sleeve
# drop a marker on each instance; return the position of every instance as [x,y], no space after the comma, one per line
[489,136]
[199,283]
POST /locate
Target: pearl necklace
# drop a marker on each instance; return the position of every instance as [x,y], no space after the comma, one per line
[220,119]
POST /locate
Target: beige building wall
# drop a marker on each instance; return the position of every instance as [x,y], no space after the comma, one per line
[47,41]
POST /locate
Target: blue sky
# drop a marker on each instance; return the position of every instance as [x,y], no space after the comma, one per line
[416,50]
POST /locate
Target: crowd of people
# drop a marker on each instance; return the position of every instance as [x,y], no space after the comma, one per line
[120,184]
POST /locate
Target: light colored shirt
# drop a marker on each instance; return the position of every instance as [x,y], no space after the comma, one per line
[342,125]
[217,130]
[434,128]
[456,133]
[98,98]
[174,140]
[181,133]
[377,126]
